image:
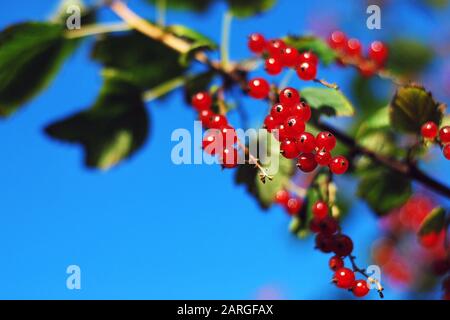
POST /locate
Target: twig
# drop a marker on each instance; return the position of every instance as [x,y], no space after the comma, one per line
[239,77]
[327,84]
[253,160]
[364,273]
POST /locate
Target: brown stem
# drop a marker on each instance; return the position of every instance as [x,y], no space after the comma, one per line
[236,75]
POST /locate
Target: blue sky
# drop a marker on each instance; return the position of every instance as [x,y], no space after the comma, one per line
[149,229]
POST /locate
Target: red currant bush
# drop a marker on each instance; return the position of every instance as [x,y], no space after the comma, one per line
[325,141]
[336,263]
[444,134]
[306,162]
[307,71]
[320,209]
[339,165]
[289,97]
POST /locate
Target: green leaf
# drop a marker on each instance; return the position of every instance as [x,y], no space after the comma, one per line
[409,57]
[113,129]
[31,53]
[383,190]
[195,5]
[434,222]
[138,59]
[412,106]
[310,43]
[247,8]
[248,175]
[379,120]
[328,101]
[368,95]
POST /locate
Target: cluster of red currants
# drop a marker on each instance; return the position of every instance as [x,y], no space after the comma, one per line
[279,55]
[429,131]
[221,138]
[287,119]
[329,239]
[350,51]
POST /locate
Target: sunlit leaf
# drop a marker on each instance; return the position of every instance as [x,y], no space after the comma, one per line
[315,44]
[328,101]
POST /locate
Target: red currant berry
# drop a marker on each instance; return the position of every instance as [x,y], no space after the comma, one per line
[327,225]
[205,116]
[444,134]
[270,123]
[289,149]
[211,142]
[294,126]
[306,162]
[280,112]
[217,121]
[258,88]
[338,165]
[229,135]
[282,197]
[337,40]
[256,43]
[343,245]
[201,101]
[360,288]
[289,56]
[281,133]
[323,158]
[229,158]
[429,130]
[320,209]
[293,206]
[378,52]
[273,66]
[314,225]
[302,111]
[446,151]
[307,71]
[336,263]
[344,278]
[306,142]
[325,141]
[309,57]
[289,97]
[324,243]
[353,47]
[275,47]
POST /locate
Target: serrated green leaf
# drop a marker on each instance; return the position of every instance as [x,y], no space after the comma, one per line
[113,129]
[434,222]
[328,101]
[247,8]
[138,59]
[310,43]
[31,53]
[412,106]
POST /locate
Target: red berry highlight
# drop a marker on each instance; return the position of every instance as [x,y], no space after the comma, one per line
[360,288]
[444,134]
[293,206]
[344,278]
[335,263]
[325,141]
[320,209]
[306,162]
[289,96]
[201,101]
[273,66]
[256,43]
[289,149]
[307,71]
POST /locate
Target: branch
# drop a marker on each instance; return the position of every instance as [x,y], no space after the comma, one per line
[238,76]
[409,170]
[364,273]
